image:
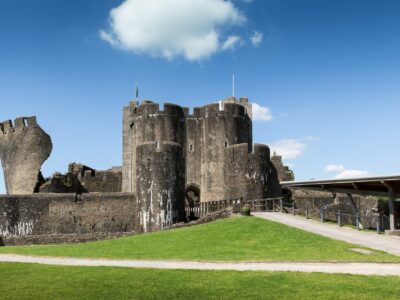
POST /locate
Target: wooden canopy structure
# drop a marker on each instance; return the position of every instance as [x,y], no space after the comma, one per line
[375,186]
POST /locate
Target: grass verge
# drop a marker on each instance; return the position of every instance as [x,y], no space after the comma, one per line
[233,239]
[29,281]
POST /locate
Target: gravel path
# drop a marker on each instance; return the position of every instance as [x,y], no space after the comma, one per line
[389,244]
[339,268]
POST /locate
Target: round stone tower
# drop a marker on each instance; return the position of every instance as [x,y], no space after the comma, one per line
[259,172]
[147,123]
[156,164]
[249,175]
[160,185]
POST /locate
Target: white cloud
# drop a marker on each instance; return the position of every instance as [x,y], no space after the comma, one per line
[261,113]
[309,138]
[256,38]
[334,168]
[288,148]
[343,173]
[231,42]
[352,174]
[171,28]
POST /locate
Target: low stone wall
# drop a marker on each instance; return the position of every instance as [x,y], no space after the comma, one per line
[367,206]
[66,214]
[59,238]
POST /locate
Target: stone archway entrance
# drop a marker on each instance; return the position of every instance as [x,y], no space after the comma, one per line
[192,201]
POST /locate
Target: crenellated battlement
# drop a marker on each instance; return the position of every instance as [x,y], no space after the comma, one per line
[150,109]
[19,124]
[219,109]
[240,153]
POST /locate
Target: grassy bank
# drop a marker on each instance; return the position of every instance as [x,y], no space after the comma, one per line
[27,281]
[233,239]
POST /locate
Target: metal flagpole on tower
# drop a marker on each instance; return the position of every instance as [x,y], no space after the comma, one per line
[137,90]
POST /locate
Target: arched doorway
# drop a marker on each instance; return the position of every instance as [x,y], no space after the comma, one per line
[192,201]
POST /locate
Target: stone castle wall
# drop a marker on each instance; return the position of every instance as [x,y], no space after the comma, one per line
[204,136]
[284,173]
[59,214]
[168,155]
[247,175]
[108,181]
[368,207]
[82,179]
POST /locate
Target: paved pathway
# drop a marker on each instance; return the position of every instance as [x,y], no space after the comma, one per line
[390,244]
[340,268]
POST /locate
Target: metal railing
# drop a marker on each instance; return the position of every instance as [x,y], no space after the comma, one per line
[378,221]
[198,210]
[279,204]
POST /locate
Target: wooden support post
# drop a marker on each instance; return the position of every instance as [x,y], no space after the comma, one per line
[392,196]
[358,220]
[378,225]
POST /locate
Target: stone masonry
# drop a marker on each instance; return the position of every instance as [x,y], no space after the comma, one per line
[169,156]
[24,147]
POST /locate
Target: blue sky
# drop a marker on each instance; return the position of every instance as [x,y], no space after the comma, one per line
[327,71]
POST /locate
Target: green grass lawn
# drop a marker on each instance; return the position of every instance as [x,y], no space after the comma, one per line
[29,281]
[233,239]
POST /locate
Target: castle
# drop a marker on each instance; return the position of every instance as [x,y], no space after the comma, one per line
[170,159]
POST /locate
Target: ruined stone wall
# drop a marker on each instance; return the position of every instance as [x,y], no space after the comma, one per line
[367,206]
[24,146]
[160,185]
[284,173]
[52,214]
[109,181]
[82,179]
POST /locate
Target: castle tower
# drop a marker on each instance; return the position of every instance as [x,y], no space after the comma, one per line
[160,185]
[249,175]
[147,123]
[24,147]
[127,119]
[153,166]
[222,127]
